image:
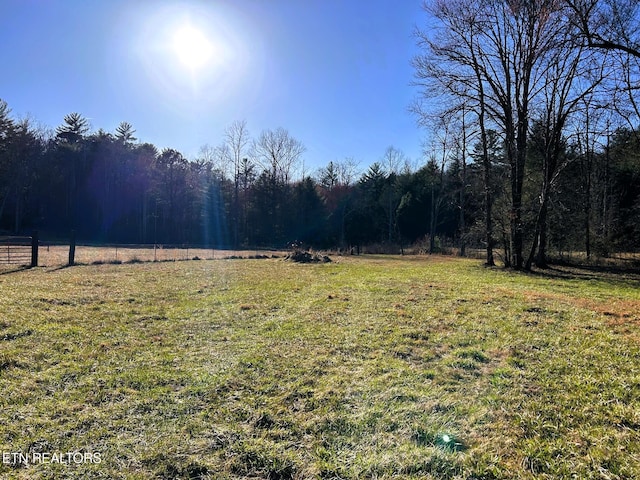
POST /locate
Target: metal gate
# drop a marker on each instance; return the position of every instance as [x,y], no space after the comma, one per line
[16,250]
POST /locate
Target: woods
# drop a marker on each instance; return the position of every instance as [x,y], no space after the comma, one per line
[534,73]
[579,194]
[534,154]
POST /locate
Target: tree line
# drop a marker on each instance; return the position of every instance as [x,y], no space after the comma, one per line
[552,84]
[108,187]
[536,152]
[246,191]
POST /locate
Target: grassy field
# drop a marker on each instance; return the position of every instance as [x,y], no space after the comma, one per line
[365,368]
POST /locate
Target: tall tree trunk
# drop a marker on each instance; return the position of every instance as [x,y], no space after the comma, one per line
[463,250]
[486,166]
[587,221]
[517,180]
[540,238]
[463,186]
[236,209]
[586,166]
[541,257]
[605,194]
[488,225]
[390,213]
[506,244]
[432,222]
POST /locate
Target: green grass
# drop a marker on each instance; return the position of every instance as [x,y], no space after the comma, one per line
[378,368]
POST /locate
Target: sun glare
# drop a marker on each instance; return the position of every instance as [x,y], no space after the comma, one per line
[189,53]
[192,47]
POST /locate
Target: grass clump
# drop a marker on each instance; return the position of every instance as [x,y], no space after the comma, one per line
[374,367]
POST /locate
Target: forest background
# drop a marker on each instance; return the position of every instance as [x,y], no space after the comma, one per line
[535,154]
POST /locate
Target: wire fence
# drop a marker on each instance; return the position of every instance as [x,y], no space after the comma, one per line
[58,254]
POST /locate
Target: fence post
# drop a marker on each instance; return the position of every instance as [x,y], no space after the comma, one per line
[34,249]
[72,248]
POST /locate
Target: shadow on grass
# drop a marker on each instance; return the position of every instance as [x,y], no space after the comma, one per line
[613,275]
[64,267]
[631,267]
[16,270]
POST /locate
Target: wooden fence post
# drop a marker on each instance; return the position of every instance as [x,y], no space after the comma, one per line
[34,249]
[72,248]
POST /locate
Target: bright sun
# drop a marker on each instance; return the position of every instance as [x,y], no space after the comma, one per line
[192,47]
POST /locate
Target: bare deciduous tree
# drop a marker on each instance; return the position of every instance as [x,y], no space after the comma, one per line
[570,76]
[237,139]
[278,153]
[613,26]
[450,66]
[608,24]
[392,161]
[491,53]
[347,171]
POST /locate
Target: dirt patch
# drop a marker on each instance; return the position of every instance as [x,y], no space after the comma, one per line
[620,309]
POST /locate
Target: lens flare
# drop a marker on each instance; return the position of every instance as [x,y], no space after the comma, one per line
[192,47]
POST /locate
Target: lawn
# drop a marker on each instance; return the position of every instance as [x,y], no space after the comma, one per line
[364,368]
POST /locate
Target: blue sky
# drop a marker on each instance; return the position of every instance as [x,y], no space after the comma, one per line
[335,73]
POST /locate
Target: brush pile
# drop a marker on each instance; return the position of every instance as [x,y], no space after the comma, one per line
[305,256]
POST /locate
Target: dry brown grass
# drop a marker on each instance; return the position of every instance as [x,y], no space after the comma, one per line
[55,256]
